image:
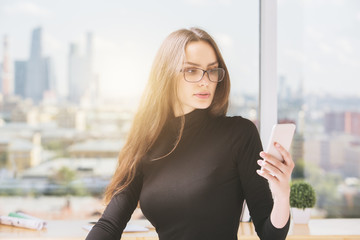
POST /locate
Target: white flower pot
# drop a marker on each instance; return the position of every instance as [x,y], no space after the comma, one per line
[301,216]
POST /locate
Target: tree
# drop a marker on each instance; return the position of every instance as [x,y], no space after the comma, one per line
[326,188]
[299,170]
[3,159]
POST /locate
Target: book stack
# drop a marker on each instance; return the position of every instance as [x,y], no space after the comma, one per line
[19,219]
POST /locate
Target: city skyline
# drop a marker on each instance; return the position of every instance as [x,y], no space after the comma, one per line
[124,52]
[121,60]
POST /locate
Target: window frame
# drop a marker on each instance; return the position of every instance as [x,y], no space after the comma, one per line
[267,68]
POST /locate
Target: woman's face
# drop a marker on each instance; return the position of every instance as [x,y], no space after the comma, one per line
[198,95]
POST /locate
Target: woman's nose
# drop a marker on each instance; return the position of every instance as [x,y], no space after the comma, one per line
[205,80]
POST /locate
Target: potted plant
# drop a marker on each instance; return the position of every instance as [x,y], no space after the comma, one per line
[302,199]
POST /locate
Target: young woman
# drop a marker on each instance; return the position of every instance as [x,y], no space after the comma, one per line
[189,165]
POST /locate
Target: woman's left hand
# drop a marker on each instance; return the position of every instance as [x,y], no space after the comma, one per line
[277,172]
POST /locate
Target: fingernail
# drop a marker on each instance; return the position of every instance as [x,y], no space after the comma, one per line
[260,162]
[260,172]
[277,145]
[262,154]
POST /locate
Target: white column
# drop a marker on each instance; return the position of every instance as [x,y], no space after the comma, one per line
[268,68]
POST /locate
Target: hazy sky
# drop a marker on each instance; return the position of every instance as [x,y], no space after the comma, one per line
[128,33]
[318,42]
[318,39]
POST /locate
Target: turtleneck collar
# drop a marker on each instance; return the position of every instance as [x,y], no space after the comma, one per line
[192,119]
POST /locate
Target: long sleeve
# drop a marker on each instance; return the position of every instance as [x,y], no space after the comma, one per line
[197,191]
[118,212]
[256,189]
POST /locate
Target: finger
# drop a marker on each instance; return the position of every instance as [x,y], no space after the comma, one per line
[282,171]
[285,154]
[267,175]
[271,169]
[274,161]
[273,179]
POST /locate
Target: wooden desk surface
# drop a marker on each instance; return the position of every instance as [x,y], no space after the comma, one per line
[331,229]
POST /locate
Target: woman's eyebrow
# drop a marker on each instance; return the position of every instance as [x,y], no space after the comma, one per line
[214,63]
[198,65]
[191,63]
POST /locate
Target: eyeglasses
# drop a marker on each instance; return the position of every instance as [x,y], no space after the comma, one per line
[194,75]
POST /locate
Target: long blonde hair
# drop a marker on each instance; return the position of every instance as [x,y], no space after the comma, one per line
[157,104]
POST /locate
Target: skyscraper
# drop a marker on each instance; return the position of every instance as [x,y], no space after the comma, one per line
[352,123]
[80,72]
[34,77]
[38,77]
[5,72]
[76,71]
[20,78]
[36,44]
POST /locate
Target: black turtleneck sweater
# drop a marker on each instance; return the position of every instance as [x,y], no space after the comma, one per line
[197,192]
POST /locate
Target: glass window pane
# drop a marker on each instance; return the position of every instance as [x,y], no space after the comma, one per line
[71,77]
[319,69]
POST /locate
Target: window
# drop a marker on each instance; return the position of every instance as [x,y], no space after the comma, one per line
[87,63]
[319,68]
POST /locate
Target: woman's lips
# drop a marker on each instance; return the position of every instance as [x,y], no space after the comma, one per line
[203,95]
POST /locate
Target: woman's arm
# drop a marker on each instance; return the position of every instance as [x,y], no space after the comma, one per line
[269,211]
[117,213]
[278,174]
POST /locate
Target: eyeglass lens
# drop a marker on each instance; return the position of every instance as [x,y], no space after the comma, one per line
[195,74]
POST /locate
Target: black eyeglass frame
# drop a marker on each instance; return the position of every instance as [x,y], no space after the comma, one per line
[204,71]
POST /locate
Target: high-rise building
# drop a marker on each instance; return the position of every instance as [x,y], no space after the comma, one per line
[340,122]
[352,165]
[80,71]
[334,122]
[76,69]
[5,72]
[20,78]
[352,123]
[38,76]
[36,44]
[34,77]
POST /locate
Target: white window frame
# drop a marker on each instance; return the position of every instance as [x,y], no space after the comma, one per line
[267,68]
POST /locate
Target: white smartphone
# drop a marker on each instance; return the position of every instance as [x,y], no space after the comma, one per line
[283,134]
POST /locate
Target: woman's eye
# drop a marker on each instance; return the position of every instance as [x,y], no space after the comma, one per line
[191,71]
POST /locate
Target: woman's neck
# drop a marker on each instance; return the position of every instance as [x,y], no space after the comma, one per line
[182,110]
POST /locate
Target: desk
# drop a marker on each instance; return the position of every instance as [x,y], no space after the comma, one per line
[330,229]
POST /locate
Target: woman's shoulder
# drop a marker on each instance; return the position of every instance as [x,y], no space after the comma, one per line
[237,131]
[236,121]
[235,126]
